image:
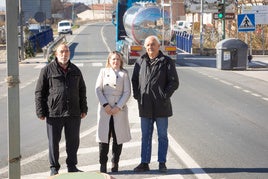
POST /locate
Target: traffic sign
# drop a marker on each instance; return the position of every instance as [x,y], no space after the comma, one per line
[228,16]
[246,22]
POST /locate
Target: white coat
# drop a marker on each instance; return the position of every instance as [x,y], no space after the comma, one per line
[113,88]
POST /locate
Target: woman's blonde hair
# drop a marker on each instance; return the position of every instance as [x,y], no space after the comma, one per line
[118,54]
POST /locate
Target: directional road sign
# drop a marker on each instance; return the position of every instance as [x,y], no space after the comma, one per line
[246,22]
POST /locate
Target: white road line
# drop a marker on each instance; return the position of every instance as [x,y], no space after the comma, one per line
[235,86]
[45,152]
[166,177]
[104,39]
[187,159]
[79,64]
[88,168]
[246,91]
[255,94]
[226,82]
[97,64]
[40,66]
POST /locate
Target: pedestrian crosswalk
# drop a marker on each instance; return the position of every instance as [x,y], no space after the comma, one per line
[37,166]
[88,155]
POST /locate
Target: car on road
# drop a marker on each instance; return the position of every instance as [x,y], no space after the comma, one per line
[65,27]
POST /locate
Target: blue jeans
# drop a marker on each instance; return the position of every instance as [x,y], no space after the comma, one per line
[147,127]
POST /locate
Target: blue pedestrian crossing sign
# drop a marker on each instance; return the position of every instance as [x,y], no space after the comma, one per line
[246,22]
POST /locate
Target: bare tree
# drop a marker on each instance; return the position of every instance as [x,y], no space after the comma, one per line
[56,6]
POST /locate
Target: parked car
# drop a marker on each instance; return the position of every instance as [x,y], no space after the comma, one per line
[65,27]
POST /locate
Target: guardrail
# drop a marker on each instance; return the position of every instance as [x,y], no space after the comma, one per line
[184,41]
[50,48]
[39,40]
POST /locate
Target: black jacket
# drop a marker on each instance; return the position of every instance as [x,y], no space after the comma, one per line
[153,85]
[60,94]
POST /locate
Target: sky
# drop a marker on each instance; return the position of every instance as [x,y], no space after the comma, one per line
[2,4]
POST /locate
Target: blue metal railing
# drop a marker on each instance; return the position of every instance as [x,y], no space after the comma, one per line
[41,39]
[184,41]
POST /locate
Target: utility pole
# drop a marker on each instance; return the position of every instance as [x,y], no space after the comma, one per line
[12,80]
[201,27]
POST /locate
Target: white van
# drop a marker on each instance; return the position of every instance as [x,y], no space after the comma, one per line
[65,27]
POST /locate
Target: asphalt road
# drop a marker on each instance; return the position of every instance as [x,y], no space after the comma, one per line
[218,130]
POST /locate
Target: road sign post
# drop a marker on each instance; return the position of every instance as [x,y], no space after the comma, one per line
[13,89]
[221,15]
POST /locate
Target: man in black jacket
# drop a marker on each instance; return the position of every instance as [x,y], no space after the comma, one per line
[154,80]
[60,98]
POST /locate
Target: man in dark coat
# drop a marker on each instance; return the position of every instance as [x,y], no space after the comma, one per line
[60,98]
[154,80]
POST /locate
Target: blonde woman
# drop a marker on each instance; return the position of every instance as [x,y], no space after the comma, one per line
[113,91]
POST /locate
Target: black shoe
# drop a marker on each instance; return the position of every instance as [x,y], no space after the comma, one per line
[53,171]
[162,167]
[74,169]
[103,168]
[114,167]
[142,167]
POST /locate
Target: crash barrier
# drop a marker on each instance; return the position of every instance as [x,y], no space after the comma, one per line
[49,49]
[39,40]
[184,41]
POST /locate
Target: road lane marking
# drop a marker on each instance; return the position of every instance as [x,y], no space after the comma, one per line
[40,66]
[166,177]
[88,168]
[234,86]
[45,152]
[97,64]
[79,64]
[187,159]
[104,39]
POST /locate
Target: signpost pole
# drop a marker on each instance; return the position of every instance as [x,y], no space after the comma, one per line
[223,21]
[13,89]
[201,28]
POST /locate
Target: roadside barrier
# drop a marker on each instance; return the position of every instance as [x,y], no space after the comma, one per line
[184,41]
[50,48]
[39,40]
